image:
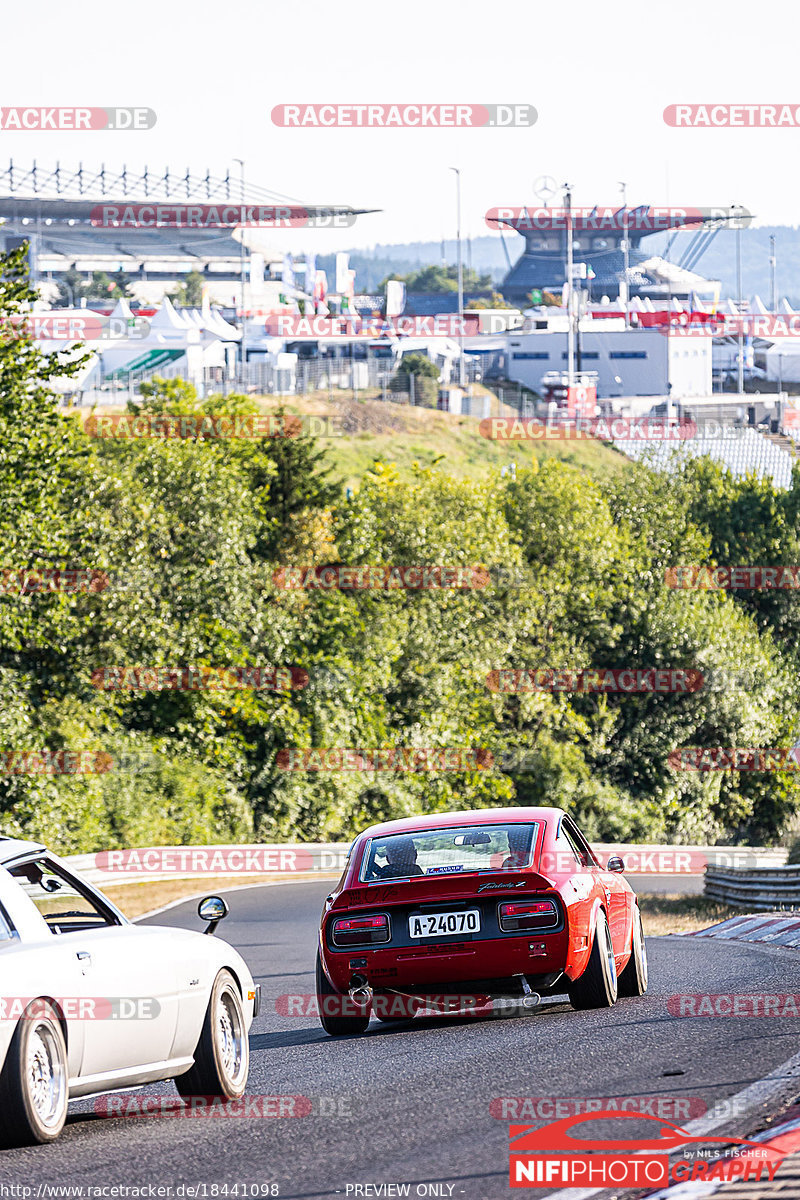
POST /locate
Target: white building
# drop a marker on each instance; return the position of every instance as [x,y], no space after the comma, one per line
[628,362]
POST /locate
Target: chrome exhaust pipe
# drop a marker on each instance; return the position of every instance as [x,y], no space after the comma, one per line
[359,991]
[530,998]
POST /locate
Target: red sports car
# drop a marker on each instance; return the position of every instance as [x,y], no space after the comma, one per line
[493,902]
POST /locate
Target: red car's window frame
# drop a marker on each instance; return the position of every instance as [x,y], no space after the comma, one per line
[573,834]
[535,851]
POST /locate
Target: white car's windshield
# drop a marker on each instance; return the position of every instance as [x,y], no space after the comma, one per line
[501,847]
[65,906]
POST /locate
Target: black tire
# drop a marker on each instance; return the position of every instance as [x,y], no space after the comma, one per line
[34,1084]
[333,1023]
[597,986]
[222,1054]
[633,980]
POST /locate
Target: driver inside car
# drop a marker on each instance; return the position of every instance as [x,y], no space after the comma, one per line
[518,837]
[35,875]
[401,859]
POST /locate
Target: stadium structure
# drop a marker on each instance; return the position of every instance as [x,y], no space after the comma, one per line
[51,209]
[598,242]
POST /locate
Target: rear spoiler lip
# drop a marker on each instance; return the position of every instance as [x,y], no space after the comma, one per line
[407,891]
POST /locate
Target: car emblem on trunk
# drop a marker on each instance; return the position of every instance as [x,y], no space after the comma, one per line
[485,887]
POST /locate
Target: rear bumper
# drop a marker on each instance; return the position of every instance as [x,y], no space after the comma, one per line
[446,964]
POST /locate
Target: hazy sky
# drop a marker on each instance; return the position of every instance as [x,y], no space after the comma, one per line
[600,77]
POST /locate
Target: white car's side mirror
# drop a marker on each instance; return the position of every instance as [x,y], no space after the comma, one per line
[212,909]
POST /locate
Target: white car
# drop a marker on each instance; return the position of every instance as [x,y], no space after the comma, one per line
[92,1003]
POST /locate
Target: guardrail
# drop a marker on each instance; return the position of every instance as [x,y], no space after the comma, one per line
[154,863]
[761,890]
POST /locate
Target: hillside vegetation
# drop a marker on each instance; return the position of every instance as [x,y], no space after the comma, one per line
[192,542]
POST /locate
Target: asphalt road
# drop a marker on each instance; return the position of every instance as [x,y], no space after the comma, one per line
[411,1103]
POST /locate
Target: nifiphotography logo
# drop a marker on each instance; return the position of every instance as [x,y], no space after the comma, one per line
[549,1155]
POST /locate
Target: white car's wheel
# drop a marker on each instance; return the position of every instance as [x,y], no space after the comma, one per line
[34,1082]
[222,1056]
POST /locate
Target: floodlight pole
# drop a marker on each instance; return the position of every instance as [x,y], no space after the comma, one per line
[772,281]
[740,373]
[240,161]
[570,306]
[625,247]
[460,280]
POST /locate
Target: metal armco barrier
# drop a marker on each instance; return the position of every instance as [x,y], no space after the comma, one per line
[762,890]
[150,864]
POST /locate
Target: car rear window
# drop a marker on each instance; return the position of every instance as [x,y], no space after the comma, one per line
[495,847]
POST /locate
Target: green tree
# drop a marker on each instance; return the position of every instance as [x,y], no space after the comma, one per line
[425,383]
[70,296]
[190,292]
[442,279]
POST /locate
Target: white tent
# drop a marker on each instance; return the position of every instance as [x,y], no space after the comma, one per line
[122,310]
[783,360]
[168,338]
[214,320]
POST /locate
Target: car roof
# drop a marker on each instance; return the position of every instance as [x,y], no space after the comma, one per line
[14,848]
[471,816]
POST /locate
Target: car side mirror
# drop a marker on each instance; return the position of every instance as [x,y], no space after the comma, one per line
[212,909]
[615,863]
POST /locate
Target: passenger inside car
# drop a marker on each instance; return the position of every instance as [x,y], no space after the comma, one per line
[519,837]
[401,860]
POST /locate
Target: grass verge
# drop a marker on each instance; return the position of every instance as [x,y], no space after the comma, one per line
[135,899]
[666,913]
[367,430]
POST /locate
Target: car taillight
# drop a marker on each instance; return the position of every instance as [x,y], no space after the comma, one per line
[532,914]
[360,931]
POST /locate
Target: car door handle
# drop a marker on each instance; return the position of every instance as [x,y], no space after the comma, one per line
[84,958]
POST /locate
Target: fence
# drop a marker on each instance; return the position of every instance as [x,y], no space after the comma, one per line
[760,890]
[151,864]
